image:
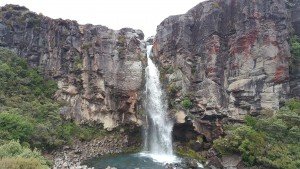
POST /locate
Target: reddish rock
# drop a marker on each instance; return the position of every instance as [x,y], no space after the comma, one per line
[233,54]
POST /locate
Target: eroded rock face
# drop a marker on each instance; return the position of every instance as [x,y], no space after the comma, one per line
[229,57]
[99,71]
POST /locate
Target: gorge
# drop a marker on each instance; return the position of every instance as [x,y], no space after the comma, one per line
[158,148]
[221,87]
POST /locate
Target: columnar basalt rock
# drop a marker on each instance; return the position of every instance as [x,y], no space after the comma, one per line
[229,57]
[99,71]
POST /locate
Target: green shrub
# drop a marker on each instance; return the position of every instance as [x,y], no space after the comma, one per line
[243,139]
[250,121]
[14,126]
[228,144]
[186,103]
[21,155]
[294,105]
[272,140]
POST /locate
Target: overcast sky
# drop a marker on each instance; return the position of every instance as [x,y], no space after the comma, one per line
[115,14]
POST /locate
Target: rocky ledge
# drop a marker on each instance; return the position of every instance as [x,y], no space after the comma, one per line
[71,157]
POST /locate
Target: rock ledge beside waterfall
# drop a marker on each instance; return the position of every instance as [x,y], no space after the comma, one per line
[71,157]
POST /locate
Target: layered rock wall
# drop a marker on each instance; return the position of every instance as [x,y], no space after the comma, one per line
[229,58]
[99,71]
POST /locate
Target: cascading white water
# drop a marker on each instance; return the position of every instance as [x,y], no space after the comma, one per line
[158,131]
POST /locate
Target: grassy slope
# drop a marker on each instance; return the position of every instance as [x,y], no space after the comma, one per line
[29,114]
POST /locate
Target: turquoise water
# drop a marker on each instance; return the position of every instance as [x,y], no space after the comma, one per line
[124,161]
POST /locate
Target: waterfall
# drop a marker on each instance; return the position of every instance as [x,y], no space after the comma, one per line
[158,130]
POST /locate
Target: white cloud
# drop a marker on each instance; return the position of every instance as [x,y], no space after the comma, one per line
[115,14]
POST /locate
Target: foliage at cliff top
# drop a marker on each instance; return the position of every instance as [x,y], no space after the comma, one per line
[27,111]
[272,139]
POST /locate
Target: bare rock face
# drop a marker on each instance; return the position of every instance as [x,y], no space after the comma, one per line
[229,57]
[99,71]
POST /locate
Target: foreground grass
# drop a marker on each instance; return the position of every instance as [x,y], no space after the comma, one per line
[15,156]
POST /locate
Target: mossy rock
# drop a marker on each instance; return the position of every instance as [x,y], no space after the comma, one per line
[189,153]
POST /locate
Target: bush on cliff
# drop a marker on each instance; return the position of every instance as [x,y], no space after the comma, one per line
[187,103]
[270,140]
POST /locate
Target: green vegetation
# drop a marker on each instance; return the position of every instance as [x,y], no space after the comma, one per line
[172,90]
[188,152]
[295,46]
[194,70]
[13,155]
[132,149]
[87,46]
[272,140]
[170,70]
[21,163]
[78,63]
[215,5]
[121,40]
[13,126]
[121,43]
[187,103]
[28,112]
[185,150]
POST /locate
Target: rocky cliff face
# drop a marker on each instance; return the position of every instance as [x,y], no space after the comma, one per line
[99,71]
[223,58]
[228,58]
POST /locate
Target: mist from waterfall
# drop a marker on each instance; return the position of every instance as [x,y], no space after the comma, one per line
[158,130]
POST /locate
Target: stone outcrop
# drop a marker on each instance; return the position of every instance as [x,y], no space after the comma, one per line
[230,58]
[99,71]
[70,157]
